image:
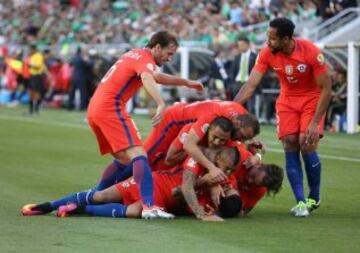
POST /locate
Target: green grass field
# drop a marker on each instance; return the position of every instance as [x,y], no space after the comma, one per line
[47,156]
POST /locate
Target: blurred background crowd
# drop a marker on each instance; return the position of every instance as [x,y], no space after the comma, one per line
[55,52]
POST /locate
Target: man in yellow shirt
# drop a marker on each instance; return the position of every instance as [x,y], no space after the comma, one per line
[37,68]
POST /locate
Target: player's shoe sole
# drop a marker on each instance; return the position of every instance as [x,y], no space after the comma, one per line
[27,210]
[66,210]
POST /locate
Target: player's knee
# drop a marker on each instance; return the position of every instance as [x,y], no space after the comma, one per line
[290,143]
[102,197]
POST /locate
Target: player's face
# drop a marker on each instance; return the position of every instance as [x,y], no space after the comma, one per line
[256,175]
[224,163]
[244,134]
[217,137]
[274,42]
[164,54]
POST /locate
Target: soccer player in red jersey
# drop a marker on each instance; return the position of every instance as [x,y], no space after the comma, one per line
[123,199]
[305,92]
[115,131]
[256,180]
[202,114]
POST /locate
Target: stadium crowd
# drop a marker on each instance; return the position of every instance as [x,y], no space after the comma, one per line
[57,26]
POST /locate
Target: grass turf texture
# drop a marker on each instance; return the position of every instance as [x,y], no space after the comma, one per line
[47,156]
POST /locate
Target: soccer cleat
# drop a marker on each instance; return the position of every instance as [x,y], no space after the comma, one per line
[300,210]
[27,210]
[311,204]
[67,210]
[36,209]
[155,212]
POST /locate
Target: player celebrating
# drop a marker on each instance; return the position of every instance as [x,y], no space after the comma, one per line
[123,199]
[115,131]
[305,92]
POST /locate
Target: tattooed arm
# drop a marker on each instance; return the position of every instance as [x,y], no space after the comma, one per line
[187,187]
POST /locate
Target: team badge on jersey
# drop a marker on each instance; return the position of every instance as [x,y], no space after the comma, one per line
[191,163]
[125,185]
[320,58]
[150,66]
[289,69]
[183,137]
[205,127]
[301,68]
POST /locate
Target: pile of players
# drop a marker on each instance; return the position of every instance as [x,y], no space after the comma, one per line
[218,133]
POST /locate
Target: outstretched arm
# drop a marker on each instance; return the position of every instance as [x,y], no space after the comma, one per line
[249,87]
[149,84]
[166,79]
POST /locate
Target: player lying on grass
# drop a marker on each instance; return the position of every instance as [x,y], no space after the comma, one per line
[123,199]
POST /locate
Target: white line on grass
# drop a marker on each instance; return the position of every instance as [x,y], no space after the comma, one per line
[342,158]
[57,123]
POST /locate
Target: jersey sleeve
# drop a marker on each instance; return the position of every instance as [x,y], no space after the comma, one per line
[252,196]
[178,142]
[144,64]
[262,61]
[192,165]
[202,124]
[317,61]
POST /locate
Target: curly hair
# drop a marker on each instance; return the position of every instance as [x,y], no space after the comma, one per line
[273,179]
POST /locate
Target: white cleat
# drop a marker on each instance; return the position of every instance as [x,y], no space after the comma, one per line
[300,210]
[155,212]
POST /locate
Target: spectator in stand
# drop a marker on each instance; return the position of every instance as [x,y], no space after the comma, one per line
[80,79]
[241,67]
[338,99]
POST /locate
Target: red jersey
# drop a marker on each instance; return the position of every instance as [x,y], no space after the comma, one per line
[180,114]
[206,111]
[296,72]
[121,82]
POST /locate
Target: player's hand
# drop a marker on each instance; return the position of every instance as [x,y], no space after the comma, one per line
[212,217]
[251,161]
[312,134]
[255,145]
[216,192]
[216,175]
[195,85]
[158,115]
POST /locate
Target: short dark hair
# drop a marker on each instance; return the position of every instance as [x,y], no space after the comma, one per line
[224,123]
[249,120]
[284,27]
[230,206]
[163,38]
[244,39]
[274,178]
[233,153]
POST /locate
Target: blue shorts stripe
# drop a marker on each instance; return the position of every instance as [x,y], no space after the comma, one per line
[118,110]
[166,129]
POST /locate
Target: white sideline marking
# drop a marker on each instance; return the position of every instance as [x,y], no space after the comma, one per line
[85,126]
[342,158]
[39,121]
